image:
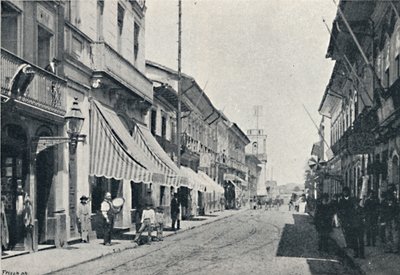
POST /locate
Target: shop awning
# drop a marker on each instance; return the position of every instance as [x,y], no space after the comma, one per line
[150,145]
[235,179]
[137,145]
[194,180]
[109,157]
[211,184]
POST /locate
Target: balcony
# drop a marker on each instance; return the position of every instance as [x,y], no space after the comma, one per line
[46,91]
[167,145]
[354,142]
[108,62]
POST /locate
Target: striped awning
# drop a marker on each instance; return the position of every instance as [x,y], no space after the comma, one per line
[212,186]
[194,180]
[109,157]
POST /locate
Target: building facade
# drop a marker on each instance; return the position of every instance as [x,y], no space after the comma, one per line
[360,99]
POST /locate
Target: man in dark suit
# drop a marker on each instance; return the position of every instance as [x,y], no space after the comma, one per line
[175,212]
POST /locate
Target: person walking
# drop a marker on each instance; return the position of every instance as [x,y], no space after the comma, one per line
[388,214]
[371,208]
[323,222]
[147,223]
[84,218]
[108,212]
[175,212]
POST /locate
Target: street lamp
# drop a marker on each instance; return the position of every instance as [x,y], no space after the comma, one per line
[74,122]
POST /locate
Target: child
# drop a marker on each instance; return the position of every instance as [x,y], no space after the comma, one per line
[159,222]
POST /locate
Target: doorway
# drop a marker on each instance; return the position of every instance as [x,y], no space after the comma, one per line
[44,179]
[13,175]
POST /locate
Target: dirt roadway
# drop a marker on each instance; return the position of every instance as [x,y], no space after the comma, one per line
[250,242]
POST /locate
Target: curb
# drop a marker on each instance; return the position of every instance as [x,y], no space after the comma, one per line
[132,246]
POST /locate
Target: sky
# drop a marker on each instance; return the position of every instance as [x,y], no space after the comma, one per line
[253,52]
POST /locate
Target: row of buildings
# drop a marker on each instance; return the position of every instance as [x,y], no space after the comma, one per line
[362,98]
[84,113]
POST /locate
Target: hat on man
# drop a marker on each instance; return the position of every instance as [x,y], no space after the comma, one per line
[84,198]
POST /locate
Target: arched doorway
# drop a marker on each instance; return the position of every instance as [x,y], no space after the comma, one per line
[14,169]
[44,179]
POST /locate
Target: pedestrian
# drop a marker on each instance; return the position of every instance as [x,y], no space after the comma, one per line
[108,212]
[159,222]
[323,222]
[302,204]
[84,218]
[222,202]
[371,207]
[147,223]
[346,214]
[175,212]
[388,218]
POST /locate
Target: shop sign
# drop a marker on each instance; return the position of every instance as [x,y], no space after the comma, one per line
[361,143]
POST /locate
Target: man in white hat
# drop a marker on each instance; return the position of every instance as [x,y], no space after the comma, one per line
[107,209]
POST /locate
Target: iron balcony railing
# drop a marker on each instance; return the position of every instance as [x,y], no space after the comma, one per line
[46,91]
[107,60]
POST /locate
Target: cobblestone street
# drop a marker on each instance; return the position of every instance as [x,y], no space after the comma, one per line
[253,241]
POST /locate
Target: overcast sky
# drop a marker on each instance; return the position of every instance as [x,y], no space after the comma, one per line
[253,52]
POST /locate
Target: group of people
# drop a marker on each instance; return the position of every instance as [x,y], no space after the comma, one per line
[151,219]
[360,219]
[302,204]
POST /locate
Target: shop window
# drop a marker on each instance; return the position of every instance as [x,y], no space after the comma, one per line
[9,35]
[44,47]
[136,40]
[162,194]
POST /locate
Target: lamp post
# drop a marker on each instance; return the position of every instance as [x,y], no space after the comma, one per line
[74,121]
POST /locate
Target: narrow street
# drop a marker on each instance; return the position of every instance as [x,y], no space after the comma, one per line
[253,241]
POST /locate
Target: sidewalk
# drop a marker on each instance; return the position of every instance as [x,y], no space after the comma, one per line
[376,261]
[51,260]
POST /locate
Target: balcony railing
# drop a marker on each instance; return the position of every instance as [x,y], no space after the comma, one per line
[107,60]
[354,142]
[46,91]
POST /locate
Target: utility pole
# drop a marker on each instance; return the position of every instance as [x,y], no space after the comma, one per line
[178,113]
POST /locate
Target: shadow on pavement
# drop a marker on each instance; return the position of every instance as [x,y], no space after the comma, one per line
[300,239]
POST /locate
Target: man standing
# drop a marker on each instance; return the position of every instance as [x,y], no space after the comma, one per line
[175,212]
[323,222]
[107,209]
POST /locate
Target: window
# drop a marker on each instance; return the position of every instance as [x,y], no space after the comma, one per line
[120,23]
[136,40]
[397,64]
[163,127]
[387,78]
[77,46]
[153,122]
[44,47]
[9,35]
[100,10]
[72,12]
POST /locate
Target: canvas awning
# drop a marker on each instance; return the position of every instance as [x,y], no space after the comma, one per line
[109,157]
[194,180]
[136,145]
[211,184]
